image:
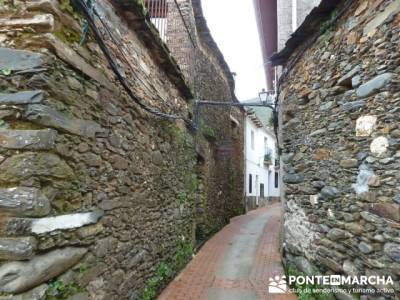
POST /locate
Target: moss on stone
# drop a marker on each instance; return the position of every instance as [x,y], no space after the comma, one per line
[23,125]
[60,290]
[65,6]
[167,270]
[67,35]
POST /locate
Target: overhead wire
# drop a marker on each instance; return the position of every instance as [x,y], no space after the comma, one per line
[87,12]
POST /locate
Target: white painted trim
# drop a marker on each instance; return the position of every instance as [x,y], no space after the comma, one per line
[49,224]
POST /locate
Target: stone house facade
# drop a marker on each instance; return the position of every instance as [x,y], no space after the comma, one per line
[98,197]
[339,98]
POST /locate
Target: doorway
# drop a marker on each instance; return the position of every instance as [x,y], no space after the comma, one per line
[257,191]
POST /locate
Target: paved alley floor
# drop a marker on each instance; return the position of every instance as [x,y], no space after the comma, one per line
[236,263]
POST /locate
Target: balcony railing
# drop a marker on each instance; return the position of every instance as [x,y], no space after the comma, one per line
[158,12]
[171,20]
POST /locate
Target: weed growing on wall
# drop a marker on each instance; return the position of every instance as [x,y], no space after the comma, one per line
[168,270]
[60,290]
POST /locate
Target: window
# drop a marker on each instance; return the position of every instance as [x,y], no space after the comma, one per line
[235,129]
[250,183]
[261,189]
[252,140]
[276,179]
[158,12]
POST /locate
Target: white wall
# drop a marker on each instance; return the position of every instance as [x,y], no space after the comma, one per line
[291,13]
[255,161]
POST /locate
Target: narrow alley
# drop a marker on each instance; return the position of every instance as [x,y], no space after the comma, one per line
[133,131]
[236,263]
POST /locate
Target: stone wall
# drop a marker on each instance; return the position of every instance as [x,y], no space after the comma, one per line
[98,199]
[341,138]
[219,145]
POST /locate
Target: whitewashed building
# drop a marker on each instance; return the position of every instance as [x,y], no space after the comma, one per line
[262,172]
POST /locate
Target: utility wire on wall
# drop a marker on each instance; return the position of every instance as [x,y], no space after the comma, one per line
[87,12]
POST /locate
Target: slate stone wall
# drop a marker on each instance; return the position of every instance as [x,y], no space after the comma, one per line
[219,145]
[340,130]
[98,199]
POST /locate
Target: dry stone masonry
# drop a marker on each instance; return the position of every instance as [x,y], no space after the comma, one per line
[97,196]
[341,144]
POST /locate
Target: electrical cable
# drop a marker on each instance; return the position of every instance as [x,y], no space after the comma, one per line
[98,37]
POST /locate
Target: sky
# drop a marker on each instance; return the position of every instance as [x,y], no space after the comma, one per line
[233,25]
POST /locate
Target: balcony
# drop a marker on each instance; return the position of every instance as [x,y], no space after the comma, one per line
[267,160]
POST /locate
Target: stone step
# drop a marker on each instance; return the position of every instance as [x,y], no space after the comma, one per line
[21,60]
[38,293]
[30,164]
[28,139]
[71,57]
[18,277]
[25,226]
[17,248]
[52,7]
[24,201]
[40,23]
[25,97]
[47,116]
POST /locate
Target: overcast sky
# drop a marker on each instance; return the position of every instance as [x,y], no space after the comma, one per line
[234,28]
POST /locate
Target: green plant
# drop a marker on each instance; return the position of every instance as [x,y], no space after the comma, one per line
[238,211]
[4,294]
[165,271]
[83,268]
[5,72]
[330,22]
[65,5]
[271,122]
[209,132]
[59,290]
[184,253]
[182,197]
[267,157]
[16,7]
[191,183]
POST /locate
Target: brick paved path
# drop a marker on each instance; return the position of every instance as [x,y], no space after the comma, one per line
[236,263]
